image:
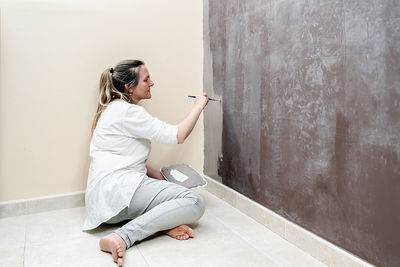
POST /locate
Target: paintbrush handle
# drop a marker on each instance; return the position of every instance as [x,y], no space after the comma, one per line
[212,99]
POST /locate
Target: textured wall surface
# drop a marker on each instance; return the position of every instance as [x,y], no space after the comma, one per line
[310,117]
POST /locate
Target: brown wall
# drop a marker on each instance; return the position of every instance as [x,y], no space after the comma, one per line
[310,117]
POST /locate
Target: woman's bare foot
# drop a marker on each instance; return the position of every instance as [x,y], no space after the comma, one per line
[114,244]
[182,232]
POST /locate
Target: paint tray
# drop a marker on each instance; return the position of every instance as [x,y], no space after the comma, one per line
[184,175]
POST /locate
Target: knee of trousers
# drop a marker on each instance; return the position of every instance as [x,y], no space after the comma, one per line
[198,205]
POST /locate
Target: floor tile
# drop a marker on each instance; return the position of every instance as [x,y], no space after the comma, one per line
[12,232]
[56,225]
[207,248]
[12,257]
[76,252]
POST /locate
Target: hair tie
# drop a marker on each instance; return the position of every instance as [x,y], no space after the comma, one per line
[111,70]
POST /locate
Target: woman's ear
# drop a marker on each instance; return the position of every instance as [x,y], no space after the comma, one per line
[127,89]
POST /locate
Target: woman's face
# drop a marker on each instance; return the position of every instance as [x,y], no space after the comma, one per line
[142,89]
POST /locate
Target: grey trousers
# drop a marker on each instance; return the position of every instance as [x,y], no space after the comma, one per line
[157,205]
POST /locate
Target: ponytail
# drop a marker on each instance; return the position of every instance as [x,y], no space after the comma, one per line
[112,85]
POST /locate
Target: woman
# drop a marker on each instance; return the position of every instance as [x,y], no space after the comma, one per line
[120,185]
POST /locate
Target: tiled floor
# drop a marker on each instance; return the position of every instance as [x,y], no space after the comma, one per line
[224,237]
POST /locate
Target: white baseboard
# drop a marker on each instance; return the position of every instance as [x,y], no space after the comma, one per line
[41,204]
[307,241]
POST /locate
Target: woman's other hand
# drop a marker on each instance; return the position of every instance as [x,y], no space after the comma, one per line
[153,173]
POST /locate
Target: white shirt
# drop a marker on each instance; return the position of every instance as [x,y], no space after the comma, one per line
[119,150]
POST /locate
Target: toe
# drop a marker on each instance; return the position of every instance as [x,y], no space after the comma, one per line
[182,237]
[190,232]
[120,262]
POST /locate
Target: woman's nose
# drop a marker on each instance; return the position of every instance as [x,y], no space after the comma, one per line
[151,83]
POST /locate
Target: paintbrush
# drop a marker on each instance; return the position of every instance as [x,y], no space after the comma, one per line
[211,99]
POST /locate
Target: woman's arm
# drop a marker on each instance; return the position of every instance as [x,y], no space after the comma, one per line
[186,126]
[153,173]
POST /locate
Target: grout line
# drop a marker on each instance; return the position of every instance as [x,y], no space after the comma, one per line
[24,254]
[141,254]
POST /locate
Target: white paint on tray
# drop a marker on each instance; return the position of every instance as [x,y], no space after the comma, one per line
[180,177]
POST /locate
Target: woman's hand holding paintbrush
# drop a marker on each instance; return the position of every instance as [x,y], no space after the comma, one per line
[201,100]
[211,99]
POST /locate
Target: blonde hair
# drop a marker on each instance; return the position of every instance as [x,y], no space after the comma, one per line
[112,85]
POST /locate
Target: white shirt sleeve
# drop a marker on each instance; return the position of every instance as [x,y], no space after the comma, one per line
[140,124]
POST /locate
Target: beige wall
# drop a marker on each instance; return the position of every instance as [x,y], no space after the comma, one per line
[52,55]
